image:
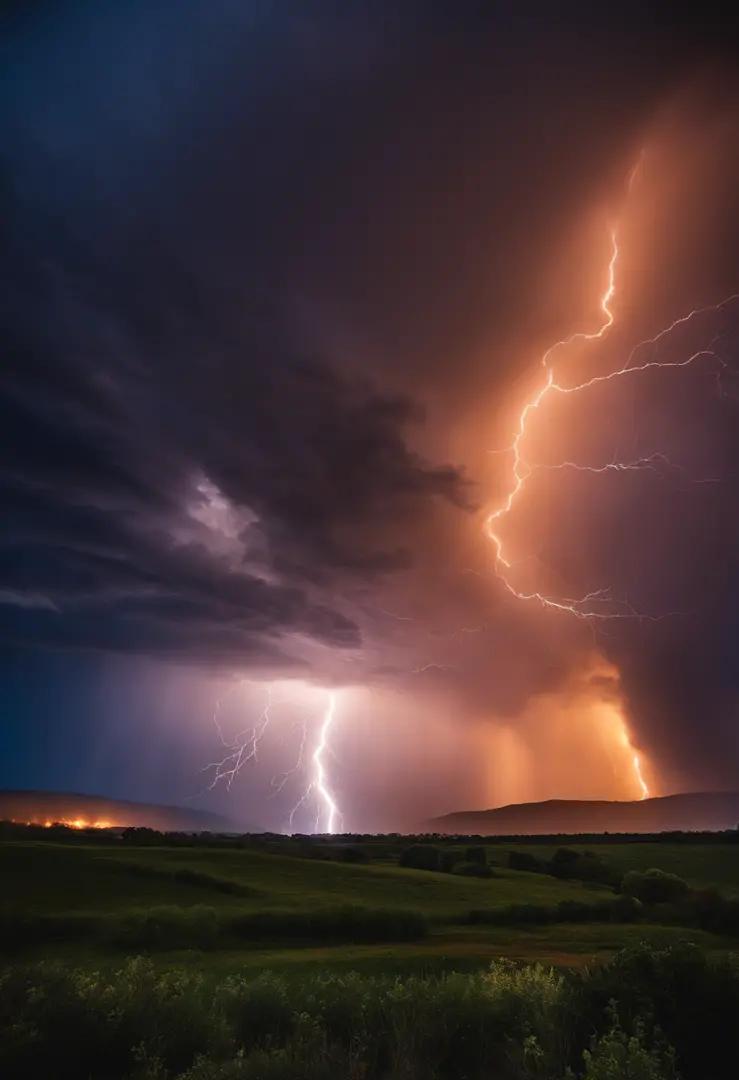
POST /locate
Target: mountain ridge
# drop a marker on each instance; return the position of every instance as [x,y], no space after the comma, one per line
[687,812]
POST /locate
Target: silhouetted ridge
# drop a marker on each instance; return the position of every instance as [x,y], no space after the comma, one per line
[697,811]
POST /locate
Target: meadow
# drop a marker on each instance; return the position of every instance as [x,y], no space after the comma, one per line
[291,905]
[316,959]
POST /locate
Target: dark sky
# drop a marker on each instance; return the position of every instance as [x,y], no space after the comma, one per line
[275,280]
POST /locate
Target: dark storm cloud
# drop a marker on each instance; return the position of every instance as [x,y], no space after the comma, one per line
[135,367]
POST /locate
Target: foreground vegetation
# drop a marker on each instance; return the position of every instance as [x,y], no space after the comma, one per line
[649,1014]
[153,957]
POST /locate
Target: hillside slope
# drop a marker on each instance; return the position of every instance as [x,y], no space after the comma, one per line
[691,812]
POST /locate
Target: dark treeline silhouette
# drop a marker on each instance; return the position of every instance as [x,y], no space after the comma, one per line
[348,846]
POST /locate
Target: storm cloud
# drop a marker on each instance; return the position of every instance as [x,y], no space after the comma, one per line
[274,284]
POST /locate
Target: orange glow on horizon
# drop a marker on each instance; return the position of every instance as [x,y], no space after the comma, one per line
[76,823]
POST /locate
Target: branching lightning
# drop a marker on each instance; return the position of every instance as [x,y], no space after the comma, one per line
[585,606]
[244,747]
[599,604]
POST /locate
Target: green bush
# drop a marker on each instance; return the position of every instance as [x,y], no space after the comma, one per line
[617,910]
[449,857]
[580,866]
[476,854]
[691,997]
[654,887]
[523,860]
[420,857]
[618,1056]
[713,912]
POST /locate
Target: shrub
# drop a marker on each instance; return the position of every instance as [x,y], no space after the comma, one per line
[420,857]
[616,1055]
[654,887]
[61,1024]
[690,996]
[713,912]
[578,866]
[523,860]
[476,854]
[448,859]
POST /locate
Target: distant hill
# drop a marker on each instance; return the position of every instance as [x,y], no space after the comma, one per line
[41,807]
[692,812]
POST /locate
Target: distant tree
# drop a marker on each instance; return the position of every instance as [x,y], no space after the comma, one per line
[654,886]
[477,854]
[580,866]
[420,857]
[524,860]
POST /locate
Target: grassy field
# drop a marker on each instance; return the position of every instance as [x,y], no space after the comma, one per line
[105,883]
[52,879]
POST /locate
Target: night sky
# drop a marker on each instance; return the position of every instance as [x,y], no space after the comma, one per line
[276,283]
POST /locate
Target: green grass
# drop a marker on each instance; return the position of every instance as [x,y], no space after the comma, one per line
[46,878]
[109,887]
[700,864]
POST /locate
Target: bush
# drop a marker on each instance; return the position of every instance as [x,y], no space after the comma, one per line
[420,857]
[713,912]
[580,866]
[654,887]
[616,910]
[689,996]
[448,859]
[616,1055]
[523,860]
[63,1024]
[476,854]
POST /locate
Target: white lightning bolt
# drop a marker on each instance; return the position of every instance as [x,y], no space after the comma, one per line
[244,747]
[320,771]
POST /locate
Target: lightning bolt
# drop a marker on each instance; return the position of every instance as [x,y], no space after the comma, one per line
[244,747]
[586,607]
[599,604]
[320,771]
